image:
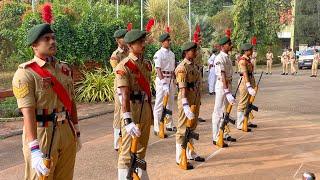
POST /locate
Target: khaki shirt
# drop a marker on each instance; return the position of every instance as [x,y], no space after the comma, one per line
[269,56]
[187,77]
[33,91]
[285,56]
[291,55]
[117,56]
[247,67]
[223,63]
[316,57]
[126,77]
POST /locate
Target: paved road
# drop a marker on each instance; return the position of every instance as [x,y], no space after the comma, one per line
[286,143]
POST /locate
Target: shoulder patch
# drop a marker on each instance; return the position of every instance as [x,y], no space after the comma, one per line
[121,72]
[21,91]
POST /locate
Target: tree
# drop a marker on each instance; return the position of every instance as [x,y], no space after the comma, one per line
[307,22]
[220,22]
[257,18]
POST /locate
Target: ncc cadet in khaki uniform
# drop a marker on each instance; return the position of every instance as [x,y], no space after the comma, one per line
[35,85]
[164,60]
[118,55]
[269,57]
[285,61]
[316,60]
[188,75]
[254,59]
[224,72]
[133,75]
[292,59]
[246,88]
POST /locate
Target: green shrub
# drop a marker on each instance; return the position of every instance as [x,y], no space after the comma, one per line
[8,108]
[96,86]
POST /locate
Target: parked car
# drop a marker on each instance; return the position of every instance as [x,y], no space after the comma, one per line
[306,59]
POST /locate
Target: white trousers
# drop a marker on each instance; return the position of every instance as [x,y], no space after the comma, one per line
[190,154]
[122,174]
[219,109]
[212,80]
[158,105]
[116,137]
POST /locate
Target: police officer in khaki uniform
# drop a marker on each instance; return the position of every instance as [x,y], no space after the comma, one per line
[43,109]
[269,57]
[118,55]
[188,75]
[285,61]
[133,75]
[246,88]
[292,59]
[224,72]
[316,60]
[164,60]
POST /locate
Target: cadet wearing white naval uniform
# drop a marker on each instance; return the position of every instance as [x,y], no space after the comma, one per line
[212,74]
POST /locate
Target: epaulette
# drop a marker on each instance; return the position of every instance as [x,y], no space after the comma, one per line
[25,65]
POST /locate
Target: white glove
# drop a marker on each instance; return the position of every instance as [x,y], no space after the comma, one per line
[165,86]
[251,91]
[229,97]
[37,160]
[186,109]
[131,128]
[79,143]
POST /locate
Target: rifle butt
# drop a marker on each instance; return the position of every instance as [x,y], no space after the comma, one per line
[47,163]
[161,130]
[134,145]
[183,160]
[220,139]
[251,116]
[245,124]
[135,176]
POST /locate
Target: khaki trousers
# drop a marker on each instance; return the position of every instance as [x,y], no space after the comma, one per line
[285,66]
[292,68]
[63,152]
[144,126]
[269,66]
[314,68]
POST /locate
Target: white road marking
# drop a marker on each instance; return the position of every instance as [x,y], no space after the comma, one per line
[297,170]
[160,140]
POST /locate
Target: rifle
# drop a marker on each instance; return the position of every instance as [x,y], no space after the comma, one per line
[47,158]
[135,162]
[226,120]
[189,134]
[165,111]
[250,107]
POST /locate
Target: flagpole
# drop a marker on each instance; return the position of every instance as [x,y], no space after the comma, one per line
[190,20]
[168,13]
[117,15]
[141,11]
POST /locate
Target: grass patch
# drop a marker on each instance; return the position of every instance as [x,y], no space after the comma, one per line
[8,107]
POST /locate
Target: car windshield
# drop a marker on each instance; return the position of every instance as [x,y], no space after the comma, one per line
[307,53]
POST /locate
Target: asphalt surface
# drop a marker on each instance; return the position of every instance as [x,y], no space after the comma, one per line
[286,143]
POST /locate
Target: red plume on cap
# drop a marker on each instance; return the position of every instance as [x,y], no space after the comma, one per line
[196,37]
[168,29]
[198,29]
[46,13]
[228,32]
[129,27]
[254,40]
[149,25]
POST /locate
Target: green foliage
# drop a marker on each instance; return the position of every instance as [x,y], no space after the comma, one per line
[96,86]
[257,18]
[221,21]
[150,50]
[207,7]
[8,108]
[307,23]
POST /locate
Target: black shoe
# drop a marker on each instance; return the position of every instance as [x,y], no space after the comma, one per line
[189,166]
[198,159]
[210,94]
[229,138]
[224,144]
[116,150]
[286,73]
[201,120]
[157,134]
[253,125]
[173,129]
[267,73]
[283,74]
[249,130]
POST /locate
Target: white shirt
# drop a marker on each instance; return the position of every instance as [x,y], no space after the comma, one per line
[211,59]
[164,59]
[223,63]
